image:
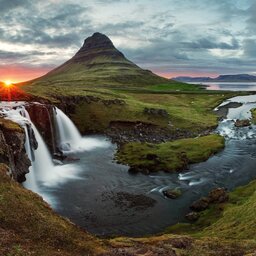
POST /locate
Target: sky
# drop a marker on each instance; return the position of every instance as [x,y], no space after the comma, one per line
[170,37]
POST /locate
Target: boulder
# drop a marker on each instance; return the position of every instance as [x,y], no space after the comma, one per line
[156,112]
[200,205]
[242,123]
[172,193]
[192,216]
[218,195]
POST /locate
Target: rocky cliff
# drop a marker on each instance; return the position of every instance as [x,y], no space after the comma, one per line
[12,151]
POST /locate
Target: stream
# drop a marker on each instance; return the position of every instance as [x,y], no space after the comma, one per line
[98,194]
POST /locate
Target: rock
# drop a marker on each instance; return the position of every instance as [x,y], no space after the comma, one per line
[192,216]
[12,150]
[242,123]
[151,156]
[181,242]
[218,195]
[200,205]
[156,112]
[113,102]
[172,193]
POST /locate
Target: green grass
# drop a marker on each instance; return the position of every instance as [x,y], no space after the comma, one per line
[239,217]
[234,219]
[253,111]
[28,224]
[169,156]
[176,87]
[10,126]
[191,112]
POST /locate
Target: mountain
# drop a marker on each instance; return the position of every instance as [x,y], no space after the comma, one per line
[99,63]
[221,78]
[192,79]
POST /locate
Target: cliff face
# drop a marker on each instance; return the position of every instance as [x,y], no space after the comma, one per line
[43,117]
[12,151]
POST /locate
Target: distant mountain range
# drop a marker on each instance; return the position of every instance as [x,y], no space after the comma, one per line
[221,78]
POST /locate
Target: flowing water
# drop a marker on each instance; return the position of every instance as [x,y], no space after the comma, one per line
[98,194]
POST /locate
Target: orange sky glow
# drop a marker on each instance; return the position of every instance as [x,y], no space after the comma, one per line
[18,74]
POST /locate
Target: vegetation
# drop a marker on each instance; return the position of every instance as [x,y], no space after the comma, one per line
[176,87]
[28,226]
[169,156]
[9,125]
[234,219]
[187,111]
[253,111]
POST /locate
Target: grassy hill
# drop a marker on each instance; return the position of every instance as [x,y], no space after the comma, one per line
[99,63]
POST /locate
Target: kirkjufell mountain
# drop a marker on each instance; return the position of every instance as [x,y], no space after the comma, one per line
[99,63]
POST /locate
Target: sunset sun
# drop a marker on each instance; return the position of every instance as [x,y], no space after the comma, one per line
[8,83]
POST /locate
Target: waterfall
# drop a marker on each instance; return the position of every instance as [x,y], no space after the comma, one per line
[69,137]
[43,161]
[43,173]
[30,182]
[40,157]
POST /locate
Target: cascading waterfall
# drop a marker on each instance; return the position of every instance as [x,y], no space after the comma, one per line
[69,137]
[41,161]
[44,173]
[30,182]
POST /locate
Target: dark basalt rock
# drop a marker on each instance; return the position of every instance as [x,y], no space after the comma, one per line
[215,196]
[192,216]
[200,205]
[12,152]
[42,116]
[127,200]
[172,193]
[242,123]
[218,195]
[156,112]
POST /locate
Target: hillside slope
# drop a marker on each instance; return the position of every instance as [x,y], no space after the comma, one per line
[99,63]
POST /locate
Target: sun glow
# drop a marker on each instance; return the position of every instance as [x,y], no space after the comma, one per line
[8,83]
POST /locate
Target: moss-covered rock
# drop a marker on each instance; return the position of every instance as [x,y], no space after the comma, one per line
[169,156]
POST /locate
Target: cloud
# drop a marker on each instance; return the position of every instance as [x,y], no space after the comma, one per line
[160,35]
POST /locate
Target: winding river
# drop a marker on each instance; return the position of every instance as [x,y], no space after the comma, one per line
[91,198]
[98,194]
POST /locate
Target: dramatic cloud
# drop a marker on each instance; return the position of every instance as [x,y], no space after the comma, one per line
[170,37]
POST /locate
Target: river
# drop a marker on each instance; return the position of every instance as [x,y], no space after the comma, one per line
[92,199]
[99,195]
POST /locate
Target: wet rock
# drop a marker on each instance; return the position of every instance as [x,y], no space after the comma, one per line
[125,200]
[200,205]
[172,193]
[192,216]
[12,151]
[218,195]
[242,123]
[135,170]
[128,131]
[42,115]
[223,110]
